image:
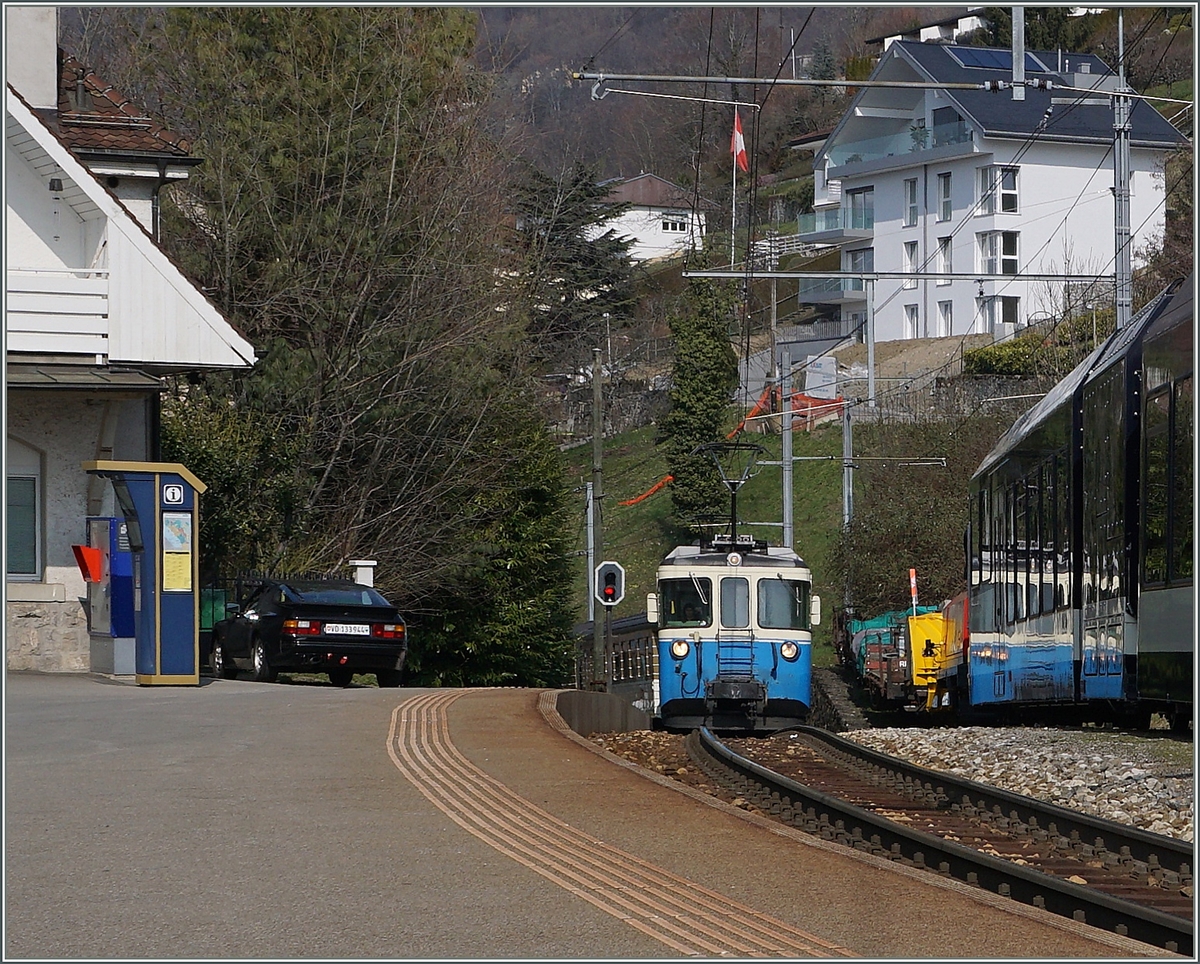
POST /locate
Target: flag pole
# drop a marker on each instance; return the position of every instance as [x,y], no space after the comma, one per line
[733,215]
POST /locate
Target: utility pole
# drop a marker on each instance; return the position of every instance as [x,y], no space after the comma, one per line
[847,482]
[785,394]
[774,332]
[598,662]
[870,287]
[1121,127]
[847,465]
[591,551]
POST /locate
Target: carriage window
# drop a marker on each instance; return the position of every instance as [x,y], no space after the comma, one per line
[783,604]
[1062,534]
[1182,455]
[1156,474]
[735,602]
[685,602]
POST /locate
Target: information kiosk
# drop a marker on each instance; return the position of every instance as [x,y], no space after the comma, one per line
[160,505]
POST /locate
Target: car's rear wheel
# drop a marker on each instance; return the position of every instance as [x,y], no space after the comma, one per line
[388,678]
[341,675]
[264,672]
[222,665]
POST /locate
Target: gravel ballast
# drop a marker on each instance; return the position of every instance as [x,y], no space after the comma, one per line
[1144,782]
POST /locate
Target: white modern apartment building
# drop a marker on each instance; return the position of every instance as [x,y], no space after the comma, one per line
[956,180]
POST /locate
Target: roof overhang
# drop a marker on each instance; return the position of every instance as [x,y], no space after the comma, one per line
[75,378]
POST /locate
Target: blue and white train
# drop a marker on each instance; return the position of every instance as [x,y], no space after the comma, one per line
[734,619]
[1080,560]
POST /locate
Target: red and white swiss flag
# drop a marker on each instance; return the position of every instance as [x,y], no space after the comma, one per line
[738,145]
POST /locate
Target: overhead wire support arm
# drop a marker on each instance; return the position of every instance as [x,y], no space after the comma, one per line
[602,78]
[599,92]
[895,275]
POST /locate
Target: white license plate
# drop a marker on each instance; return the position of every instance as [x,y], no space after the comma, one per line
[347,629]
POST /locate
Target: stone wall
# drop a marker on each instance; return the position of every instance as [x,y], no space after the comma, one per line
[56,432]
[49,636]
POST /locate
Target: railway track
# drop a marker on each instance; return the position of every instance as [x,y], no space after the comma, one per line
[1108,875]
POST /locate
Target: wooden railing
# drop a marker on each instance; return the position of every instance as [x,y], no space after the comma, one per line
[58,311]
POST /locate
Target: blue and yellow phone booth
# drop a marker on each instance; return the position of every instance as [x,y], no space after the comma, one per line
[160,502]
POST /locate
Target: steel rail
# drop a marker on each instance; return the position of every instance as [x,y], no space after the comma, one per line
[838,820]
[1151,848]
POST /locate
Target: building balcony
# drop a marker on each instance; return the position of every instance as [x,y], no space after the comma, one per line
[912,146]
[830,291]
[57,311]
[835,225]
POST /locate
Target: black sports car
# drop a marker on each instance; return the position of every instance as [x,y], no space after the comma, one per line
[332,626]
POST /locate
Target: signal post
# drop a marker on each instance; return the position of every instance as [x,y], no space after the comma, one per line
[610,590]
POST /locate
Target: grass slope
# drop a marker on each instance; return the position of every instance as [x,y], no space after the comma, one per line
[638,536]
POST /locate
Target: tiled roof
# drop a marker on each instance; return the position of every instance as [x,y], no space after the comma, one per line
[652,191]
[999,115]
[106,120]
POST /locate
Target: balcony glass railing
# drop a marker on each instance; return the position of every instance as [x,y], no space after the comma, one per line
[910,141]
[829,286]
[836,219]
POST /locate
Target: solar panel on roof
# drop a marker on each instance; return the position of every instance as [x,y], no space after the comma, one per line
[992,59]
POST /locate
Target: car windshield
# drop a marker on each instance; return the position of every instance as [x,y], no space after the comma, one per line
[334,596]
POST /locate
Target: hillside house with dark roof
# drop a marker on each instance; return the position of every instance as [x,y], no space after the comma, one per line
[660,218]
[970,180]
[95,315]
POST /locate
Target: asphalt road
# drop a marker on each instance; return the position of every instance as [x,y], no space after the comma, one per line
[243,819]
[249,820]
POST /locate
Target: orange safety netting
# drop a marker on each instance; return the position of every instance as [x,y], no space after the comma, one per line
[650,491]
[808,407]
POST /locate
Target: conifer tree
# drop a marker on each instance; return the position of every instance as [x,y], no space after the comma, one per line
[704,379]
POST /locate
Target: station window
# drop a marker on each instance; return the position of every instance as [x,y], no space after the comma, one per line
[22,520]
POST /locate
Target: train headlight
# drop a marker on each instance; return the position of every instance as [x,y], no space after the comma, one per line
[789,651]
[680,648]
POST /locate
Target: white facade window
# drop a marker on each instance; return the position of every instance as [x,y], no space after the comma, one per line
[23,513]
[945,261]
[910,202]
[945,203]
[862,208]
[1001,309]
[945,319]
[998,252]
[912,321]
[911,259]
[997,190]
[861,259]
[672,226]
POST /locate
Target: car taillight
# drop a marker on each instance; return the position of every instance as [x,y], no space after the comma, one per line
[388,630]
[302,627]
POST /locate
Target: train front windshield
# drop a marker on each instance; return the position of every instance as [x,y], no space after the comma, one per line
[783,604]
[780,603]
[686,602]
